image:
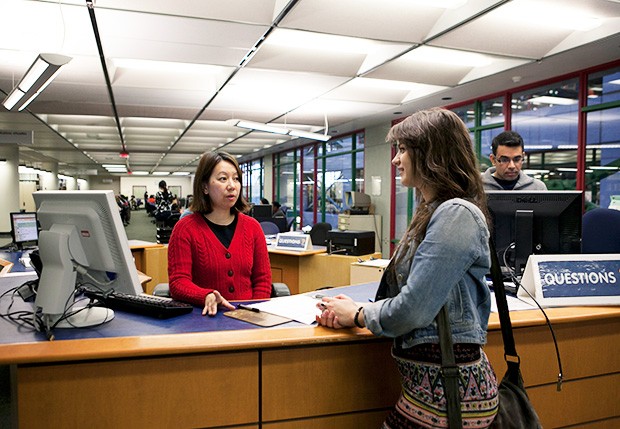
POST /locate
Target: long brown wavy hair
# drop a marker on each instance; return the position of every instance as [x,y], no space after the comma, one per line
[443,159]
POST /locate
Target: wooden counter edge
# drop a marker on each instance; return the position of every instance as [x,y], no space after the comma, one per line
[175,344]
[276,251]
[6,266]
[556,315]
[249,339]
[145,246]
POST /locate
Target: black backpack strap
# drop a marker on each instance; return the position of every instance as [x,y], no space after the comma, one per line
[510,351]
[449,370]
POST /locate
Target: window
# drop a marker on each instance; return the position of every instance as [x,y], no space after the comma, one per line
[546,117]
[252,172]
[341,162]
[287,172]
[604,87]
[312,179]
[602,174]
[309,175]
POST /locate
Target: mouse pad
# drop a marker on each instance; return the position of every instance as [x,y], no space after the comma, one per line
[260,319]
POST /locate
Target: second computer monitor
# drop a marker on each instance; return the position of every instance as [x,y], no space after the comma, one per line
[261,211]
[534,222]
[24,228]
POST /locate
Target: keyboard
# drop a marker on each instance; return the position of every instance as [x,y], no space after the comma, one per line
[146,305]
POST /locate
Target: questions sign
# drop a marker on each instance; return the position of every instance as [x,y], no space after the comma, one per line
[557,280]
[293,241]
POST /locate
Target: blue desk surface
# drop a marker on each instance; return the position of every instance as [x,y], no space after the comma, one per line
[129,325]
[14,258]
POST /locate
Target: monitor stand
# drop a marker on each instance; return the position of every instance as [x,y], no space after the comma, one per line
[86,317]
[524,243]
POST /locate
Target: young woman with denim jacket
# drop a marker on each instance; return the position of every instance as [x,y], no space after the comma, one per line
[441,260]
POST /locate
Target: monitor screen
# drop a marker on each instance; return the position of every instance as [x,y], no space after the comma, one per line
[261,210]
[357,200]
[534,222]
[82,243]
[24,228]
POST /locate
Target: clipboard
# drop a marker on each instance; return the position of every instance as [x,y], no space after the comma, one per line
[261,319]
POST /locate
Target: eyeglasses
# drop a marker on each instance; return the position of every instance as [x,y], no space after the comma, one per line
[506,160]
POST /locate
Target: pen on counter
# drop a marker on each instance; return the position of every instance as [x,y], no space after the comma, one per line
[246,307]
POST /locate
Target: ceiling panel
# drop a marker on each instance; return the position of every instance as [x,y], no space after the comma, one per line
[187,68]
[384,20]
[534,28]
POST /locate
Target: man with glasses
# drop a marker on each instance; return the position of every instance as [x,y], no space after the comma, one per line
[507,159]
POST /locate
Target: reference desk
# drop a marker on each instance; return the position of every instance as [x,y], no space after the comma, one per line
[302,271]
[151,259]
[308,270]
[195,371]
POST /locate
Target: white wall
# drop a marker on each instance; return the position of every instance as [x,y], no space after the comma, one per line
[377,162]
[49,181]
[26,200]
[9,188]
[99,183]
[152,184]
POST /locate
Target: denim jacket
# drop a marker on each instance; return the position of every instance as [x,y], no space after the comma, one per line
[449,265]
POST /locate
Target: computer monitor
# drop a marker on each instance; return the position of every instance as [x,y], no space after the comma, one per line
[261,211]
[24,229]
[357,201]
[82,243]
[534,222]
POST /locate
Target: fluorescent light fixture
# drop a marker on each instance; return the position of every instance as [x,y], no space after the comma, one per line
[593,167]
[308,135]
[161,173]
[538,147]
[567,147]
[181,173]
[39,75]
[259,126]
[140,173]
[548,99]
[23,169]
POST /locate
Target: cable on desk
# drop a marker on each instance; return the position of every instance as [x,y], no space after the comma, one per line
[21,318]
[517,282]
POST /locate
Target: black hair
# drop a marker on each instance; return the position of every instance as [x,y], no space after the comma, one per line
[507,138]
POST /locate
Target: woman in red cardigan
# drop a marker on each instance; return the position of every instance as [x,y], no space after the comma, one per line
[218,253]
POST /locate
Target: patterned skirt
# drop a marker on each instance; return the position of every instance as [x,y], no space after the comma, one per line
[422,403]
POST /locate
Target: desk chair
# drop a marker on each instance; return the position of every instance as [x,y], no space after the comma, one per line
[600,231]
[172,220]
[269,228]
[277,290]
[318,233]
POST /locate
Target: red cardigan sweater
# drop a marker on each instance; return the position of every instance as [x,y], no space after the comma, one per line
[198,262]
